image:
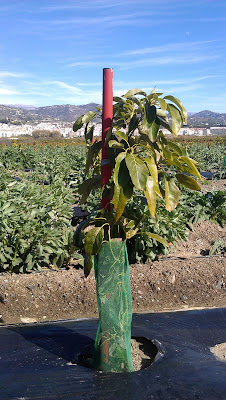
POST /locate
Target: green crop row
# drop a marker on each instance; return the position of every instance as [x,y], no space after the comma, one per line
[39,185]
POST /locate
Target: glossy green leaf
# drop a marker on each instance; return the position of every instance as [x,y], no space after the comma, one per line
[119,200]
[115,145]
[163,104]
[78,123]
[150,195]
[133,92]
[93,240]
[118,161]
[89,134]
[180,105]
[191,165]
[133,124]
[138,170]
[88,264]
[88,116]
[172,194]
[176,118]
[188,181]
[121,135]
[149,116]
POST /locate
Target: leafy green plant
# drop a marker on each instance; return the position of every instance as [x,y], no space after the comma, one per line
[143,162]
[35,226]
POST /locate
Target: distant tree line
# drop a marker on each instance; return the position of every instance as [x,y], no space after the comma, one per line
[44,133]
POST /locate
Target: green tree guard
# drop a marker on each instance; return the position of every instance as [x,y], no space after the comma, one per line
[112,350]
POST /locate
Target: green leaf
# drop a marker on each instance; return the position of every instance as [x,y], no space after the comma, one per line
[93,240]
[172,194]
[149,115]
[121,135]
[176,118]
[189,162]
[180,105]
[92,154]
[88,264]
[123,175]
[176,148]
[163,104]
[150,195]
[133,92]
[152,168]
[88,185]
[128,189]
[138,170]
[115,145]
[119,200]
[88,116]
[89,134]
[78,123]
[118,99]
[157,237]
[108,136]
[161,114]
[119,159]
[133,123]
[165,125]
[188,181]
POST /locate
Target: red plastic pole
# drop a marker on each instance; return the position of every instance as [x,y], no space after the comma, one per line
[107,115]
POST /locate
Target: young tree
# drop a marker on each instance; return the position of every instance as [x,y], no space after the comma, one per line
[142,160]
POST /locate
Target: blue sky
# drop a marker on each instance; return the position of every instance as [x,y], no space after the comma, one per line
[53,52]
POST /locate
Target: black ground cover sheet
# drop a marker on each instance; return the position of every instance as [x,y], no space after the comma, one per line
[38,361]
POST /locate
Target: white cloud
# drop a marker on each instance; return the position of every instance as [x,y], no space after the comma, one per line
[65,86]
[8,74]
[7,91]
[167,47]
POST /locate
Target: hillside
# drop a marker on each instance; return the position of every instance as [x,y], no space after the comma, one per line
[207,117]
[65,112]
[69,113]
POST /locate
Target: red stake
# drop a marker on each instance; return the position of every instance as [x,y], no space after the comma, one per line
[107,115]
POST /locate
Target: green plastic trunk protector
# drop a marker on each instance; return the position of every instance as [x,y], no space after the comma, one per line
[112,350]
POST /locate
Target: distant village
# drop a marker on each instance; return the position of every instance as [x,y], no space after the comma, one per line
[65,129]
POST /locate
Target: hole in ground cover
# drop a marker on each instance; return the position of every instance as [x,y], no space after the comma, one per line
[144,352]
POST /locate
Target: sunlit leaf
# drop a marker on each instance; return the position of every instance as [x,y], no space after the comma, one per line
[150,195]
[180,105]
[191,165]
[78,123]
[88,116]
[176,118]
[163,104]
[172,194]
[138,170]
[115,145]
[92,154]
[133,92]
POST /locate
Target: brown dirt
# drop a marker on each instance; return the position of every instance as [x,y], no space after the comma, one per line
[220,351]
[211,185]
[168,284]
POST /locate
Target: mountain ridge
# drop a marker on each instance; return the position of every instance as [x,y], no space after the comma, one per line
[69,113]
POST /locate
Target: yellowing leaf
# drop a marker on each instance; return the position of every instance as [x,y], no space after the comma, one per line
[172,194]
[150,195]
[192,166]
[119,200]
